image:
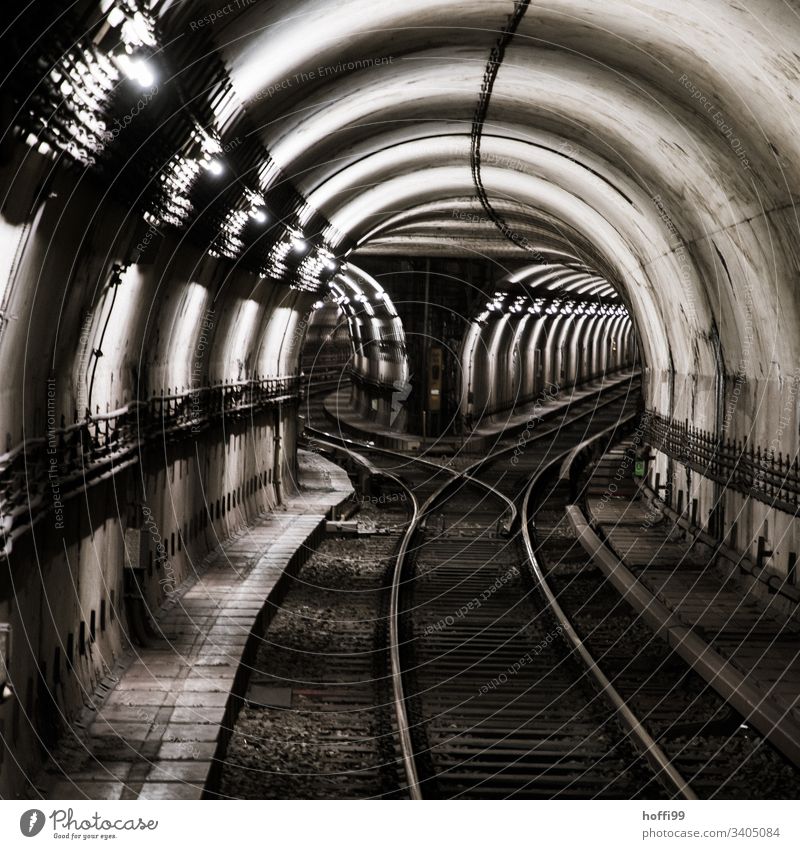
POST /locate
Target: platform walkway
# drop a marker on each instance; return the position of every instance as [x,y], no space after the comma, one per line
[155,726]
[483,435]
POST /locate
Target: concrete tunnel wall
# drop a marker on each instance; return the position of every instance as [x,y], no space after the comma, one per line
[525,347]
[375,364]
[179,321]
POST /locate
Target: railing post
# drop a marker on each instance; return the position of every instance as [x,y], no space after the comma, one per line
[763,554]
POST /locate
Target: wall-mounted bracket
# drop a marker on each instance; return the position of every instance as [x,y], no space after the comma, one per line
[6,689]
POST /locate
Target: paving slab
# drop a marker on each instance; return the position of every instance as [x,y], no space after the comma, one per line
[156,726]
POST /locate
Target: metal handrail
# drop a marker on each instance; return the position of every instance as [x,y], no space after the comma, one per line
[770,477]
[84,450]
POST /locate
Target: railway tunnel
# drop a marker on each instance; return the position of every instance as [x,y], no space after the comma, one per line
[480,318]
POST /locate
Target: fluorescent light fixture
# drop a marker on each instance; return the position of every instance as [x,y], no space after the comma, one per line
[141,29]
[137,69]
[210,145]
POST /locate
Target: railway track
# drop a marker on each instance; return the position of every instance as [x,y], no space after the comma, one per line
[482,708]
[493,688]
[708,742]
[500,709]
[317,721]
[500,705]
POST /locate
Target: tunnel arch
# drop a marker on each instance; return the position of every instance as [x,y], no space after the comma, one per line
[545,315]
[646,160]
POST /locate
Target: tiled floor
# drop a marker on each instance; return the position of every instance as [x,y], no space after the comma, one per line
[155,733]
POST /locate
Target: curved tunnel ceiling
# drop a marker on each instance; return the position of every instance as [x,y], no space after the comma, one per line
[656,146]
[659,145]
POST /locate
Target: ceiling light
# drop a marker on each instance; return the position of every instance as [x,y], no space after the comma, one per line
[259,215]
[142,29]
[214,166]
[137,69]
[115,17]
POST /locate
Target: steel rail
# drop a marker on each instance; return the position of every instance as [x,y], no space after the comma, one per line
[655,755]
[551,428]
[407,751]
[407,746]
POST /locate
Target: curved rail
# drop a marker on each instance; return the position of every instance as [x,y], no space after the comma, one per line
[466,474]
[401,715]
[654,754]
[419,514]
[409,757]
